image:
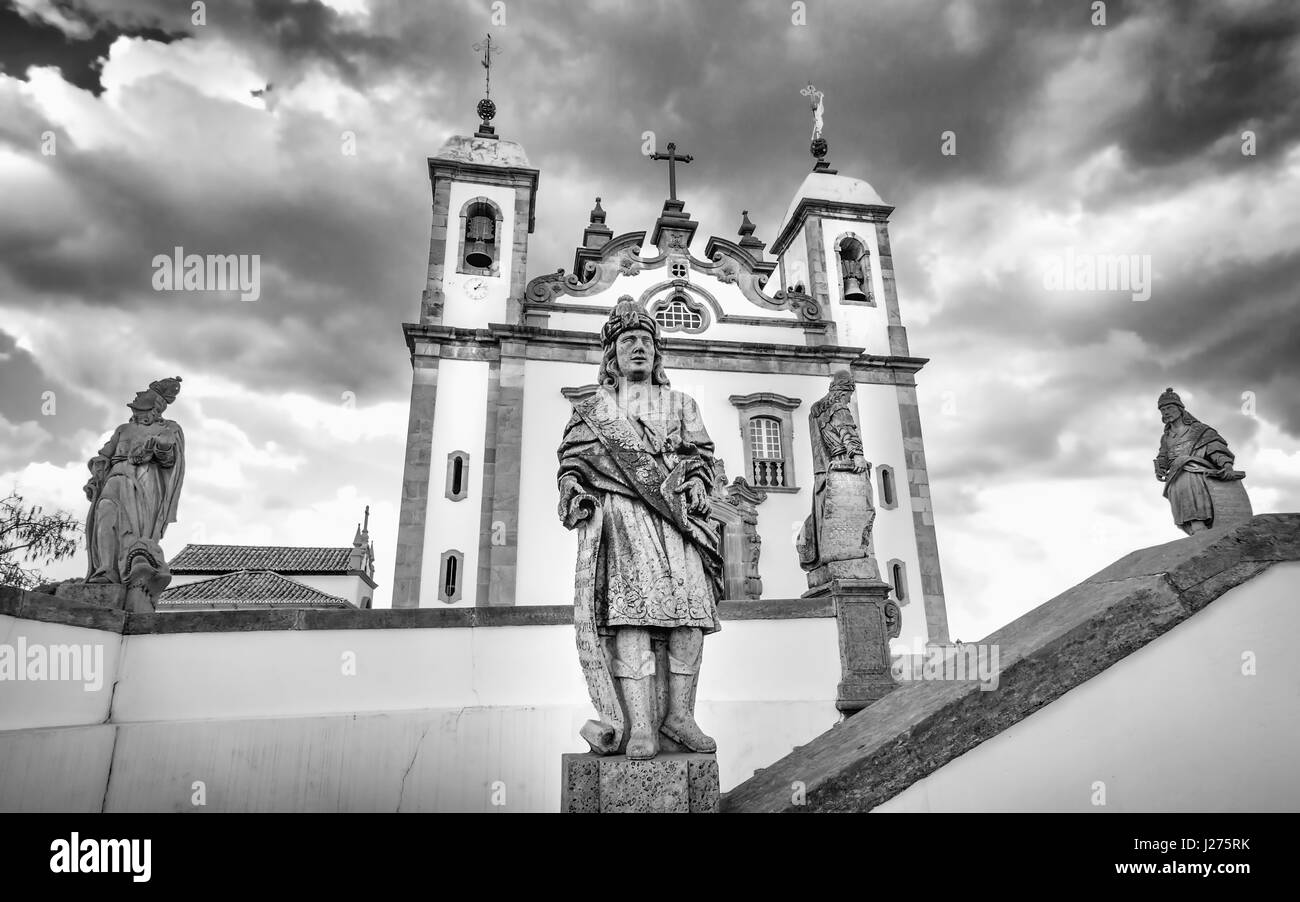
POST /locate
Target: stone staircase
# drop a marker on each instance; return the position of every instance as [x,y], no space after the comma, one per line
[923,725]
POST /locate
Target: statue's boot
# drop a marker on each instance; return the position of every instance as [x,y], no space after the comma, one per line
[638,696]
[634,665]
[685,649]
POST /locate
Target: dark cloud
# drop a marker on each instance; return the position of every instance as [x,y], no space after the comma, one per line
[29,41]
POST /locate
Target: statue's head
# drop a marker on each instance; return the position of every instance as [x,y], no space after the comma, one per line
[147,406]
[1171,407]
[842,381]
[633,348]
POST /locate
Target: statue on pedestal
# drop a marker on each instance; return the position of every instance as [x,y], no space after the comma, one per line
[135,484]
[635,476]
[835,541]
[835,549]
[1194,463]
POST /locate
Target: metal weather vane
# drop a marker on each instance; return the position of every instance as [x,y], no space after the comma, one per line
[486,108]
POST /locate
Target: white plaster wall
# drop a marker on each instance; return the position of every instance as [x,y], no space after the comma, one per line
[459,424]
[61,770]
[351,587]
[199,676]
[894,532]
[858,325]
[432,719]
[27,704]
[1176,726]
[458,308]
[795,260]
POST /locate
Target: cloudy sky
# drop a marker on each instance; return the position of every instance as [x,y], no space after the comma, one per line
[127,129]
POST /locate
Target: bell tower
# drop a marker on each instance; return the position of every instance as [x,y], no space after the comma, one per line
[484,196]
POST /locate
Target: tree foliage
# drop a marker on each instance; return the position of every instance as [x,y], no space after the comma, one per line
[29,535]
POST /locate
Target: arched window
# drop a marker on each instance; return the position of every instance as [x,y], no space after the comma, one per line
[450,576]
[888,491]
[677,316]
[457,476]
[480,238]
[898,577]
[767,452]
[855,270]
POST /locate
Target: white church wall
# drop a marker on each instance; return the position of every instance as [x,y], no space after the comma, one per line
[894,531]
[48,702]
[859,325]
[344,585]
[1156,728]
[459,424]
[458,308]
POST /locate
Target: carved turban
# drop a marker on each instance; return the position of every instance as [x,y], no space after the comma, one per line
[628,315]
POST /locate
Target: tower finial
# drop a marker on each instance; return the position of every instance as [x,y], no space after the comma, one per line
[486,108]
[819,145]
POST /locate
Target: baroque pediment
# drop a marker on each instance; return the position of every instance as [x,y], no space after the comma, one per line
[726,262]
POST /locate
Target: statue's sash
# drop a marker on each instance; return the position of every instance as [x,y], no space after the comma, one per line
[641,469]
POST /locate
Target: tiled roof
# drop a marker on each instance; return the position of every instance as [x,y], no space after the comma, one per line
[280,558]
[252,587]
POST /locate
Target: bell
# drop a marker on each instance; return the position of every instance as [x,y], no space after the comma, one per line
[479,233]
[853,290]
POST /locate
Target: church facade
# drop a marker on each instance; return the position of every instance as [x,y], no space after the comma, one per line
[752,333]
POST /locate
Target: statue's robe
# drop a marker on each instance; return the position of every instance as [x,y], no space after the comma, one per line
[132,503]
[660,565]
[644,560]
[1189,451]
[834,436]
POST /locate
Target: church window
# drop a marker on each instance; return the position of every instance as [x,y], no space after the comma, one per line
[898,577]
[768,432]
[768,459]
[677,316]
[480,238]
[888,491]
[457,476]
[450,576]
[679,270]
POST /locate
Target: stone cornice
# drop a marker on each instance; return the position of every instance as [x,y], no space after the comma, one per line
[482,173]
[768,398]
[827,209]
[428,340]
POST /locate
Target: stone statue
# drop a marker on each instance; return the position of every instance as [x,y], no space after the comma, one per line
[836,538]
[816,100]
[635,476]
[1194,463]
[135,483]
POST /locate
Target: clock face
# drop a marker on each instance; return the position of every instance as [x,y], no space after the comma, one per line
[476,288]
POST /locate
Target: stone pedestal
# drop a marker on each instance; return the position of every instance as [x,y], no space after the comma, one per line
[615,784]
[867,619]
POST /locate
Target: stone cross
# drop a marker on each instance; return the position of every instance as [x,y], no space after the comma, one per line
[673,159]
